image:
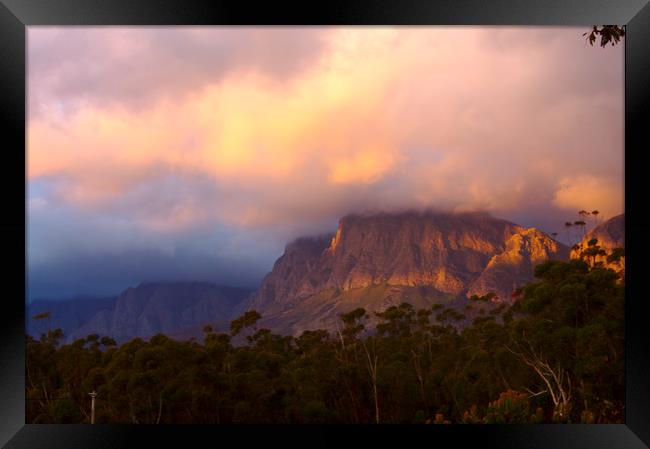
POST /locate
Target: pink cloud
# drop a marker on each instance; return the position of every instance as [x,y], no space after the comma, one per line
[298,126]
[586,192]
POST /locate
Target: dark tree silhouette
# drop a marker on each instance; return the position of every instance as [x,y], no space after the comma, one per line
[609,34]
[582,225]
[567,226]
[595,213]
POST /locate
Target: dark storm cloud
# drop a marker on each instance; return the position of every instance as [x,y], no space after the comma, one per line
[74,252]
[110,274]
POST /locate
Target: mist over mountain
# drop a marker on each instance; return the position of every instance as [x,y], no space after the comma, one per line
[66,314]
[142,311]
[372,260]
[104,273]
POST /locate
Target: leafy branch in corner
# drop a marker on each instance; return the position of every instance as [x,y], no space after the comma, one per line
[608,34]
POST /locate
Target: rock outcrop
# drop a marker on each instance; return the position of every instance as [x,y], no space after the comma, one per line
[371,261]
[374,261]
[515,266]
[610,235]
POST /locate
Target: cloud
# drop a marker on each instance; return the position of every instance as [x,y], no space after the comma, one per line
[586,192]
[72,251]
[263,134]
[135,67]
[111,273]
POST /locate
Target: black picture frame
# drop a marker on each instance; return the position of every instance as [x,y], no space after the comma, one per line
[16,15]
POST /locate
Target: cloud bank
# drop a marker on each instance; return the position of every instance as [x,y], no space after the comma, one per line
[201,137]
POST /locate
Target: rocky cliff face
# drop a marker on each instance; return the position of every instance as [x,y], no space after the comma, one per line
[610,234]
[515,265]
[293,274]
[451,255]
[371,261]
[152,308]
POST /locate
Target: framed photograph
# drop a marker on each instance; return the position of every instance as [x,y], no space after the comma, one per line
[325,223]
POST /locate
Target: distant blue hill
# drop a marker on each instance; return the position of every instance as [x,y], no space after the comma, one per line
[67,314]
[143,311]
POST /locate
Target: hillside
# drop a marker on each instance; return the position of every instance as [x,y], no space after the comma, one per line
[375,261]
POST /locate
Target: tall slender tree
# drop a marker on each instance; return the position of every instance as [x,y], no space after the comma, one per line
[583,227]
[595,213]
[567,226]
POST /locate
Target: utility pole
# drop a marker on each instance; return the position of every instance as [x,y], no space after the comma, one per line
[93,395]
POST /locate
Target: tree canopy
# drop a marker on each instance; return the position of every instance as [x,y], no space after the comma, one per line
[553,354]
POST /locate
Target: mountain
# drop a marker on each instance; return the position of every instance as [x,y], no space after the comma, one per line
[610,234]
[377,260]
[515,265]
[164,307]
[67,314]
[371,261]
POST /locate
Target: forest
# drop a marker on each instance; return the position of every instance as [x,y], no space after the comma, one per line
[555,353]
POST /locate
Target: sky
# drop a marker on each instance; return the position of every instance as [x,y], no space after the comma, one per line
[197,153]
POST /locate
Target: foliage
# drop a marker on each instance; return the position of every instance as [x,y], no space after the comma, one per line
[609,34]
[554,355]
[512,407]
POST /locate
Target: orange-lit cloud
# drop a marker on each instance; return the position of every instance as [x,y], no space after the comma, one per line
[255,128]
[582,192]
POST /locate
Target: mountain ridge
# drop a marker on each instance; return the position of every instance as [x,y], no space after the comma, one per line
[147,309]
[451,254]
[372,260]
[68,314]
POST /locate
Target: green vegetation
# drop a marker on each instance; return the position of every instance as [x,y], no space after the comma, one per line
[554,355]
